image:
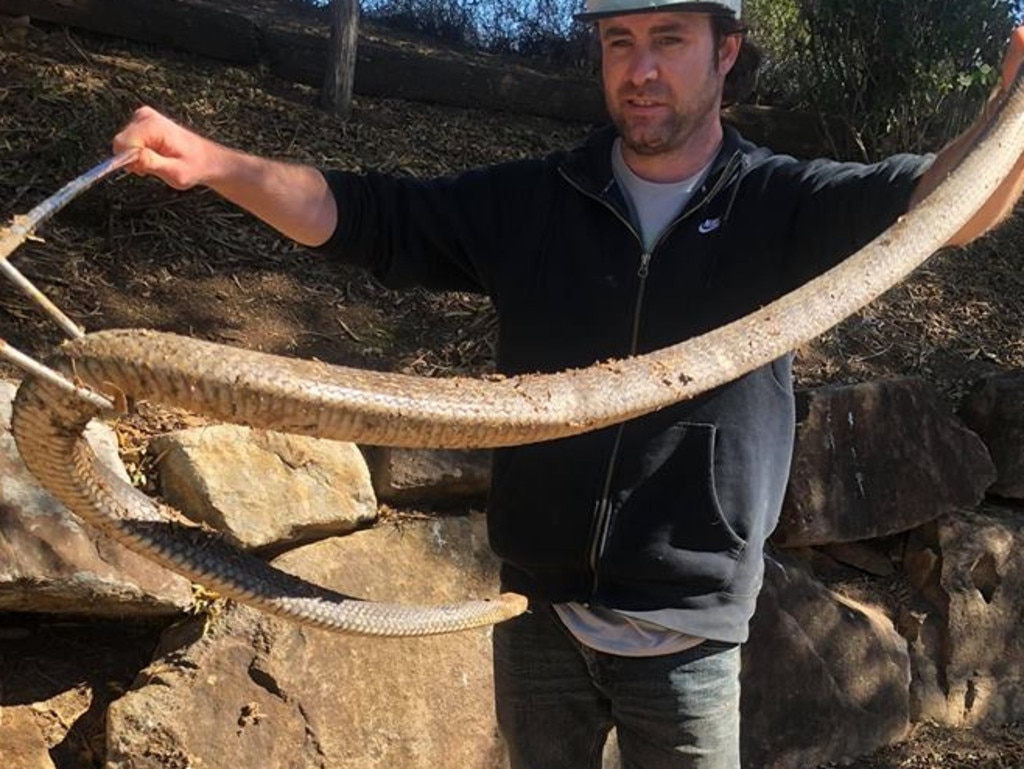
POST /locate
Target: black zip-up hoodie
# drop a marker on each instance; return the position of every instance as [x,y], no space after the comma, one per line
[670,510]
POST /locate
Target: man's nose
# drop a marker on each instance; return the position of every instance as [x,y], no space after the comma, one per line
[644,67]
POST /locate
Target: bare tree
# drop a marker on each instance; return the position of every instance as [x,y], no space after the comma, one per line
[336,95]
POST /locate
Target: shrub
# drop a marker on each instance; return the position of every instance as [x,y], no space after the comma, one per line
[902,75]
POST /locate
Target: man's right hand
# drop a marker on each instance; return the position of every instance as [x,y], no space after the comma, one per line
[293,199]
[168,151]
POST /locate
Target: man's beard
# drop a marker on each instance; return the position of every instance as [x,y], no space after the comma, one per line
[669,132]
[649,138]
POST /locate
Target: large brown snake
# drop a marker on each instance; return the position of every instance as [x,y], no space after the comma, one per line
[373,408]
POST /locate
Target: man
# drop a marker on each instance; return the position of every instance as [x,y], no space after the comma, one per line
[639,546]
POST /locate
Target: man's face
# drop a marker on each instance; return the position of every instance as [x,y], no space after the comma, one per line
[662,77]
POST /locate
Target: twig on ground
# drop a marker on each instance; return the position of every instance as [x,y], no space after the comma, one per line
[36,368]
[22,228]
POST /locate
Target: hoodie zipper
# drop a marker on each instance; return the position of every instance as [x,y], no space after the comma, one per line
[602,515]
[602,518]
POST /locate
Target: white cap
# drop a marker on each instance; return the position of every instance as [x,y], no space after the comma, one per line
[597,9]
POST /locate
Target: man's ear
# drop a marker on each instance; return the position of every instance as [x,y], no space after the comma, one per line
[728,52]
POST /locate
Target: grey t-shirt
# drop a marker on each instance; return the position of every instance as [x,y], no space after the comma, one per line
[653,207]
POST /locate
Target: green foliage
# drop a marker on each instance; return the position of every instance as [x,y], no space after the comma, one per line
[779,29]
[902,75]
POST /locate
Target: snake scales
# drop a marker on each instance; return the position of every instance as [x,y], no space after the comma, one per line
[386,409]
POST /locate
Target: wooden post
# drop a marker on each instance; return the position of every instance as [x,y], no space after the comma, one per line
[336,94]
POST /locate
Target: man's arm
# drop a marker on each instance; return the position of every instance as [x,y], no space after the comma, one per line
[1002,201]
[293,199]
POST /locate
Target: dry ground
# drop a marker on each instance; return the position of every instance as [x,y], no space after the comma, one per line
[131,253]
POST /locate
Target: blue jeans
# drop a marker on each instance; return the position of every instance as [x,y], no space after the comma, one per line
[557,699]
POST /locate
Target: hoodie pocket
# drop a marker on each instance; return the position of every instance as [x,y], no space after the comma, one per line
[668,523]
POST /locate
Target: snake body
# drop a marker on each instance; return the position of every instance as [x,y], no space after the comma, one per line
[317,399]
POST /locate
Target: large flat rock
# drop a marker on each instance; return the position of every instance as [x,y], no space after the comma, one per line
[257,691]
[875,459]
[52,562]
[825,679]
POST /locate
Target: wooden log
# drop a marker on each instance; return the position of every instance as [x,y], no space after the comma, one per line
[197,27]
[400,73]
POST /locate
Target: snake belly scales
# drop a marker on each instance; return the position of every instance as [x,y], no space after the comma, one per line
[312,398]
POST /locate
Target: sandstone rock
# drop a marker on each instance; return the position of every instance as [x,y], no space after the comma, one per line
[876,459]
[969,651]
[21,742]
[924,630]
[824,678]
[258,691]
[265,489]
[49,561]
[206,705]
[994,409]
[439,478]
[870,557]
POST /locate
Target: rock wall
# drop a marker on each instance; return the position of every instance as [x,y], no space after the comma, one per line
[893,592]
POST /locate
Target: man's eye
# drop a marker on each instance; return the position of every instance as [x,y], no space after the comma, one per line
[619,43]
[669,41]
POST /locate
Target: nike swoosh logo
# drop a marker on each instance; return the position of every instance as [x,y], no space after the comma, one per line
[709,225]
